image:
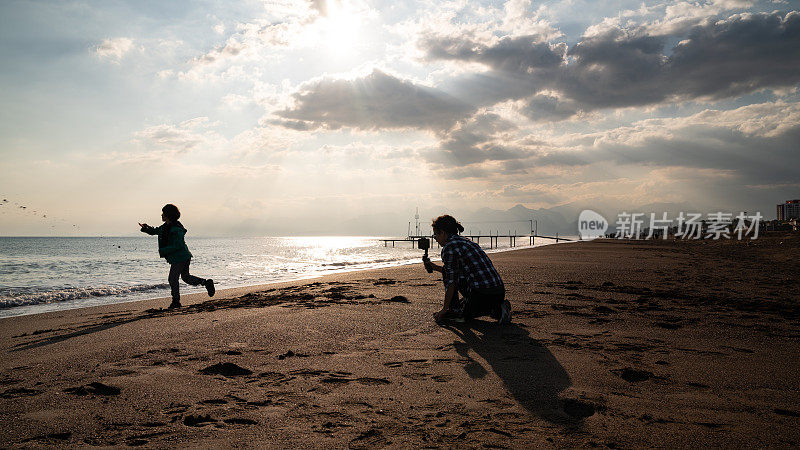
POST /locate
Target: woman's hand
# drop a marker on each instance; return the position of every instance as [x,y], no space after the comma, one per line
[142,225]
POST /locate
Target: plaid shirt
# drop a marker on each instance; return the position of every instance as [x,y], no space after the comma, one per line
[466,264]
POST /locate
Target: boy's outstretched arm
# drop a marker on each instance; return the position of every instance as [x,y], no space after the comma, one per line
[145,228]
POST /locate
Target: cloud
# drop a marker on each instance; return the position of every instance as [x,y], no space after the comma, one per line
[724,59]
[613,67]
[511,54]
[756,144]
[623,67]
[474,141]
[114,49]
[177,139]
[238,171]
[375,101]
[751,145]
[741,54]
[549,108]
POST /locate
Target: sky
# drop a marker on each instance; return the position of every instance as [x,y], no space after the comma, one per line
[292,117]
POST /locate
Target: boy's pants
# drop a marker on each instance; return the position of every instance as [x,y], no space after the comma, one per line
[181,270]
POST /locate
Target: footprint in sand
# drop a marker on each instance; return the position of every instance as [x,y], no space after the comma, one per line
[198,420]
[274,378]
[226,369]
[369,381]
[240,421]
[336,380]
[93,388]
[19,392]
[290,354]
[308,372]
[176,408]
[632,375]
[786,412]
[153,424]
[578,409]
[50,437]
[369,439]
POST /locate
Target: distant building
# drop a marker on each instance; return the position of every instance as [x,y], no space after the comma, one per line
[789,210]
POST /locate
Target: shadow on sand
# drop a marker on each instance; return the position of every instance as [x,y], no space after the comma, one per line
[529,371]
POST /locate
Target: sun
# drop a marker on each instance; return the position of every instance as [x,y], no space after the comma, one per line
[342,28]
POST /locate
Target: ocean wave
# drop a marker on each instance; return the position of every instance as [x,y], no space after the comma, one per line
[63,295]
[364,263]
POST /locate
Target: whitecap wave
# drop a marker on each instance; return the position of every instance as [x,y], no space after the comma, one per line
[364,263]
[64,295]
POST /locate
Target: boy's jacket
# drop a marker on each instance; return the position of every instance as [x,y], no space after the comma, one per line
[171,245]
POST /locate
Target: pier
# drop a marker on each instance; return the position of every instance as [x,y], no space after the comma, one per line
[494,239]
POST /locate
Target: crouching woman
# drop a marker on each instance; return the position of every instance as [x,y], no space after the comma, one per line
[468,271]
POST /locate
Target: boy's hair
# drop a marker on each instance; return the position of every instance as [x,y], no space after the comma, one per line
[448,224]
[172,212]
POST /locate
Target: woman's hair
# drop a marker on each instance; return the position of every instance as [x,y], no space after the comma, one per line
[172,212]
[448,224]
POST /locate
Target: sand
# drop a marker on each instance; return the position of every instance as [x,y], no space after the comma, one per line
[613,344]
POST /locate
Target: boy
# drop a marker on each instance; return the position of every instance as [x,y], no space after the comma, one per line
[172,247]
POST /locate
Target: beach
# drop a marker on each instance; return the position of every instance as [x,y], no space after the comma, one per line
[613,344]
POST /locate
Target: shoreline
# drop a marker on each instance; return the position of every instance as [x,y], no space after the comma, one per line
[612,344]
[64,305]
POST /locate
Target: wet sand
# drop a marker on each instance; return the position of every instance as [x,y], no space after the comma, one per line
[613,344]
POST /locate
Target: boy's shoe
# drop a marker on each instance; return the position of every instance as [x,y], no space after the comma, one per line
[505,313]
[210,287]
[174,305]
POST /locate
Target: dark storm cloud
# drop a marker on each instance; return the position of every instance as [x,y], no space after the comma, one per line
[474,141]
[621,68]
[518,54]
[722,59]
[739,55]
[756,152]
[709,140]
[755,159]
[376,101]
[548,108]
[614,70]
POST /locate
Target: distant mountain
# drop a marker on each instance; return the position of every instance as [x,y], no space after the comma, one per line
[562,219]
[516,218]
[611,213]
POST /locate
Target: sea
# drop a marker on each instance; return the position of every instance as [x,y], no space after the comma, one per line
[44,274]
